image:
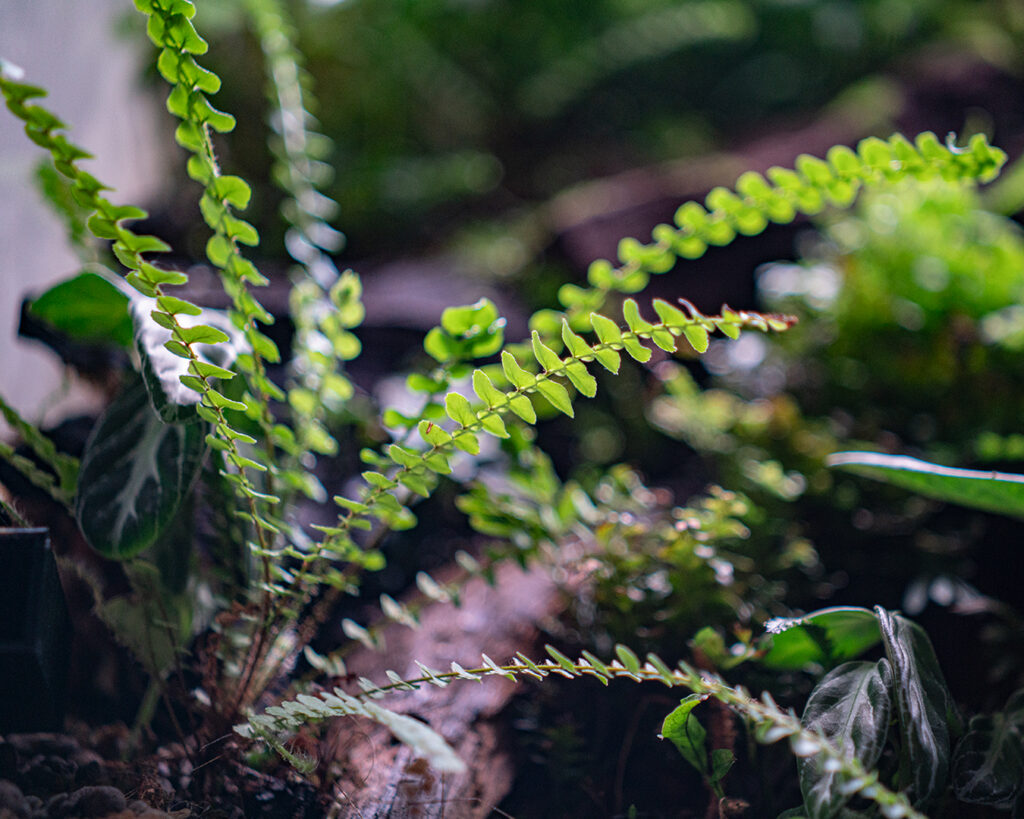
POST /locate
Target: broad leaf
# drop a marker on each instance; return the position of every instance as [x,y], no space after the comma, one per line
[86,307]
[135,472]
[924,705]
[687,734]
[824,637]
[1000,492]
[988,766]
[851,708]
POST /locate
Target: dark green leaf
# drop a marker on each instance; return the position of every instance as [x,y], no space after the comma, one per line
[924,703]
[999,492]
[851,708]
[824,637]
[86,307]
[988,766]
[135,473]
[722,760]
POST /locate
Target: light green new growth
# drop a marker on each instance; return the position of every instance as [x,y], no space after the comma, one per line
[465,421]
[756,201]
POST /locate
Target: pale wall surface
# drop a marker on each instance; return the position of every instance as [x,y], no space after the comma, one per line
[69,47]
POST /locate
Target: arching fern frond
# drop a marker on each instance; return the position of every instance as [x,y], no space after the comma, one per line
[464,420]
[756,201]
[324,304]
[770,723]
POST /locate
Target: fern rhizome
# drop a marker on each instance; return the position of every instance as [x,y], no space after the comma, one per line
[203,394]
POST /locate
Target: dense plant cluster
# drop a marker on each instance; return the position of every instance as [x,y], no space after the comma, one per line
[911,288]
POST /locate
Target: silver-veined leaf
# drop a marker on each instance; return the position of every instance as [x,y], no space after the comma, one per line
[988,766]
[135,472]
[924,705]
[1000,492]
[851,708]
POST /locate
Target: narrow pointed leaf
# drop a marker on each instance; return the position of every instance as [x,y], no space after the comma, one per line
[999,492]
[924,705]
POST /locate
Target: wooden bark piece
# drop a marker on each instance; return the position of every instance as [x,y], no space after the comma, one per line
[382,778]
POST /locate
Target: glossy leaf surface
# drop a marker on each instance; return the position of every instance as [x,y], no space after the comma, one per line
[851,707]
[687,734]
[86,307]
[135,472]
[824,637]
[924,706]
[1000,492]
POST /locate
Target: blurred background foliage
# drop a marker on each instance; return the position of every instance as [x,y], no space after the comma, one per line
[443,112]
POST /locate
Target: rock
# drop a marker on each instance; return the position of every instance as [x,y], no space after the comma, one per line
[12,801]
[91,802]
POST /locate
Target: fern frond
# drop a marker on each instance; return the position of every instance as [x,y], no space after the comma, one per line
[324,304]
[770,722]
[756,201]
[109,221]
[170,28]
[65,467]
[415,470]
[306,709]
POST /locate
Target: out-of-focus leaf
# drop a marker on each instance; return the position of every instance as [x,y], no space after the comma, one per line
[824,637]
[86,307]
[988,766]
[1000,492]
[135,472]
[851,707]
[152,623]
[924,705]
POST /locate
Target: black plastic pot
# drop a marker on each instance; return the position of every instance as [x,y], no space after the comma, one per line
[35,634]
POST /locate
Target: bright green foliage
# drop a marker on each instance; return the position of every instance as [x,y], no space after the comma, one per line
[824,637]
[689,736]
[107,221]
[812,186]
[468,420]
[87,307]
[207,378]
